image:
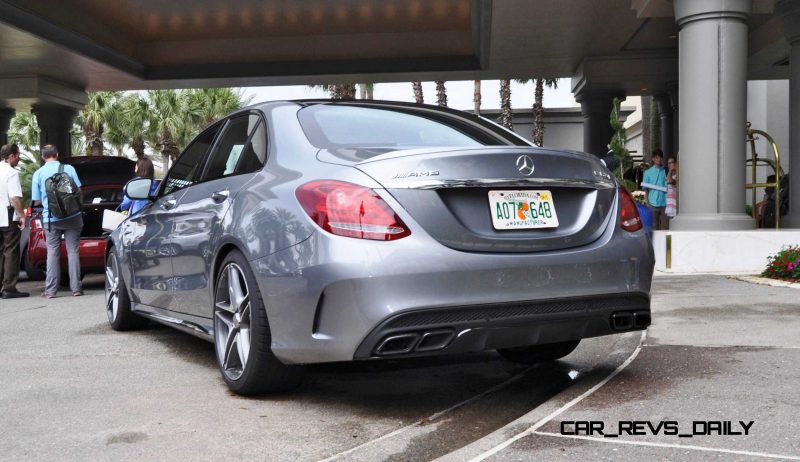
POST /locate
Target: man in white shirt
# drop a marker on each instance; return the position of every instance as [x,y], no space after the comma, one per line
[12,221]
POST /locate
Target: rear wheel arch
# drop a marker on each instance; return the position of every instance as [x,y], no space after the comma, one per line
[221,254]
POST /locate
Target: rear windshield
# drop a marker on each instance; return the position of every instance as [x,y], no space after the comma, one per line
[357,133]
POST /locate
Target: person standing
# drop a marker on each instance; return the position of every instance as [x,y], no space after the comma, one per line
[70,226]
[12,221]
[654,183]
[672,188]
[144,167]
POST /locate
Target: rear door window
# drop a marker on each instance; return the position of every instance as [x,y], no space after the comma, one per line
[236,152]
[189,166]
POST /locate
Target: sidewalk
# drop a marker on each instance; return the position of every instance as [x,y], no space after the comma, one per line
[719,350]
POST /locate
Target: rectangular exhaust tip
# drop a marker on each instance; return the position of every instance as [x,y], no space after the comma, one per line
[622,320]
[397,344]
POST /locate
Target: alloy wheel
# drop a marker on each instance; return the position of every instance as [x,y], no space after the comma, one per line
[232,321]
[112,289]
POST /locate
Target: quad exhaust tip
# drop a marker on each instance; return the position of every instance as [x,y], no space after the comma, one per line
[626,320]
[424,341]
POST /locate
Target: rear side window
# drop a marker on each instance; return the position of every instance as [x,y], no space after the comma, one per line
[236,152]
[189,166]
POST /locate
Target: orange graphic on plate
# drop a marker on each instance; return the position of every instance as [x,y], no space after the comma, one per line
[522,209]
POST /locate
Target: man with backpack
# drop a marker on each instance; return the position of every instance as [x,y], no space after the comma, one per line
[57,187]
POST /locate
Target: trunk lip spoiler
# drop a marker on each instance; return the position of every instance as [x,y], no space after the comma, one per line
[495,182]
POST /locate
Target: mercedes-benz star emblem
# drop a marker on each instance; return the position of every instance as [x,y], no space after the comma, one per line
[525,165]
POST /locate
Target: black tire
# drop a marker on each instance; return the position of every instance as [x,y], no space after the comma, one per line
[34,273]
[238,325]
[539,353]
[123,318]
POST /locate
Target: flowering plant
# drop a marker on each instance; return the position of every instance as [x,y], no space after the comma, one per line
[784,265]
[639,197]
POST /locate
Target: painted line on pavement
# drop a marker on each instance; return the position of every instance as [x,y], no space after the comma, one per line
[433,416]
[749,347]
[563,408]
[670,446]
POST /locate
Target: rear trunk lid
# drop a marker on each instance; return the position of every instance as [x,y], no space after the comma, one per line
[102,170]
[102,179]
[447,191]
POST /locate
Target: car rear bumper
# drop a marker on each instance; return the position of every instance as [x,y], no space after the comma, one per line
[91,250]
[338,301]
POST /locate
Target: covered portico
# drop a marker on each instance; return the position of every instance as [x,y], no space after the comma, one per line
[694,56]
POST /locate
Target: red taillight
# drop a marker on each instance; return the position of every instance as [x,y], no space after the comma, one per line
[629,214]
[349,210]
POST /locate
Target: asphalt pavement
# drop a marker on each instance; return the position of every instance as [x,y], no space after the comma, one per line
[720,350]
[721,354]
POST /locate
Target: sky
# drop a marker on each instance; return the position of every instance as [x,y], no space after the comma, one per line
[459,94]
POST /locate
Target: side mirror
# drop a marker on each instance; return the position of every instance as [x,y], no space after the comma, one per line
[139,188]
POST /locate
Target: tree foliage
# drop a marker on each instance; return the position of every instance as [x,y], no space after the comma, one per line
[618,141]
[93,119]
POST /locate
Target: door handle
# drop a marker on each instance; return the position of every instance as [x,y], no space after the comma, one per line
[220,195]
[168,204]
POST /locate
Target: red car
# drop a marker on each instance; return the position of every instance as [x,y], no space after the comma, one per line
[102,179]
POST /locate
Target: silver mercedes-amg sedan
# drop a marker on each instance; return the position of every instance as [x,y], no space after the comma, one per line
[301,232]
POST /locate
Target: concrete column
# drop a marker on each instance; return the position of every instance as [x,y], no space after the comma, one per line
[672,91]
[55,123]
[667,127]
[789,10]
[712,58]
[596,111]
[6,115]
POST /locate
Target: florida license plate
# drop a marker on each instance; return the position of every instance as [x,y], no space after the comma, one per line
[522,209]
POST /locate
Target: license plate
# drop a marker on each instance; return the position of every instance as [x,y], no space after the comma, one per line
[522,209]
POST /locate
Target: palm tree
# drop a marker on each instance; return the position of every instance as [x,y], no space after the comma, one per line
[24,131]
[93,117]
[167,124]
[135,121]
[366,90]
[476,97]
[346,91]
[538,109]
[211,104]
[506,116]
[441,93]
[418,92]
[338,91]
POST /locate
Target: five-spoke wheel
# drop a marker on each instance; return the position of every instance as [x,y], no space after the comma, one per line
[118,305]
[232,321]
[242,338]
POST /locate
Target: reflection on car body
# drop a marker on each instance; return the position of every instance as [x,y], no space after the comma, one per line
[303,232]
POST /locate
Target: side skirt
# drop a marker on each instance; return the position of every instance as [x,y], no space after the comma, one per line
[194,325]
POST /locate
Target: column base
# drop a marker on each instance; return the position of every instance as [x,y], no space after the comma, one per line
[790,221]
[712,222]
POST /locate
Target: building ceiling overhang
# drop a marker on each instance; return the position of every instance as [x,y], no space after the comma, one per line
[144,44]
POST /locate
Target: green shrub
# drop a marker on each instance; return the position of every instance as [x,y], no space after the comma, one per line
[784,264]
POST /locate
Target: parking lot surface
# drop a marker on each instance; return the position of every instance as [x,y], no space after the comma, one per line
[719,350]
